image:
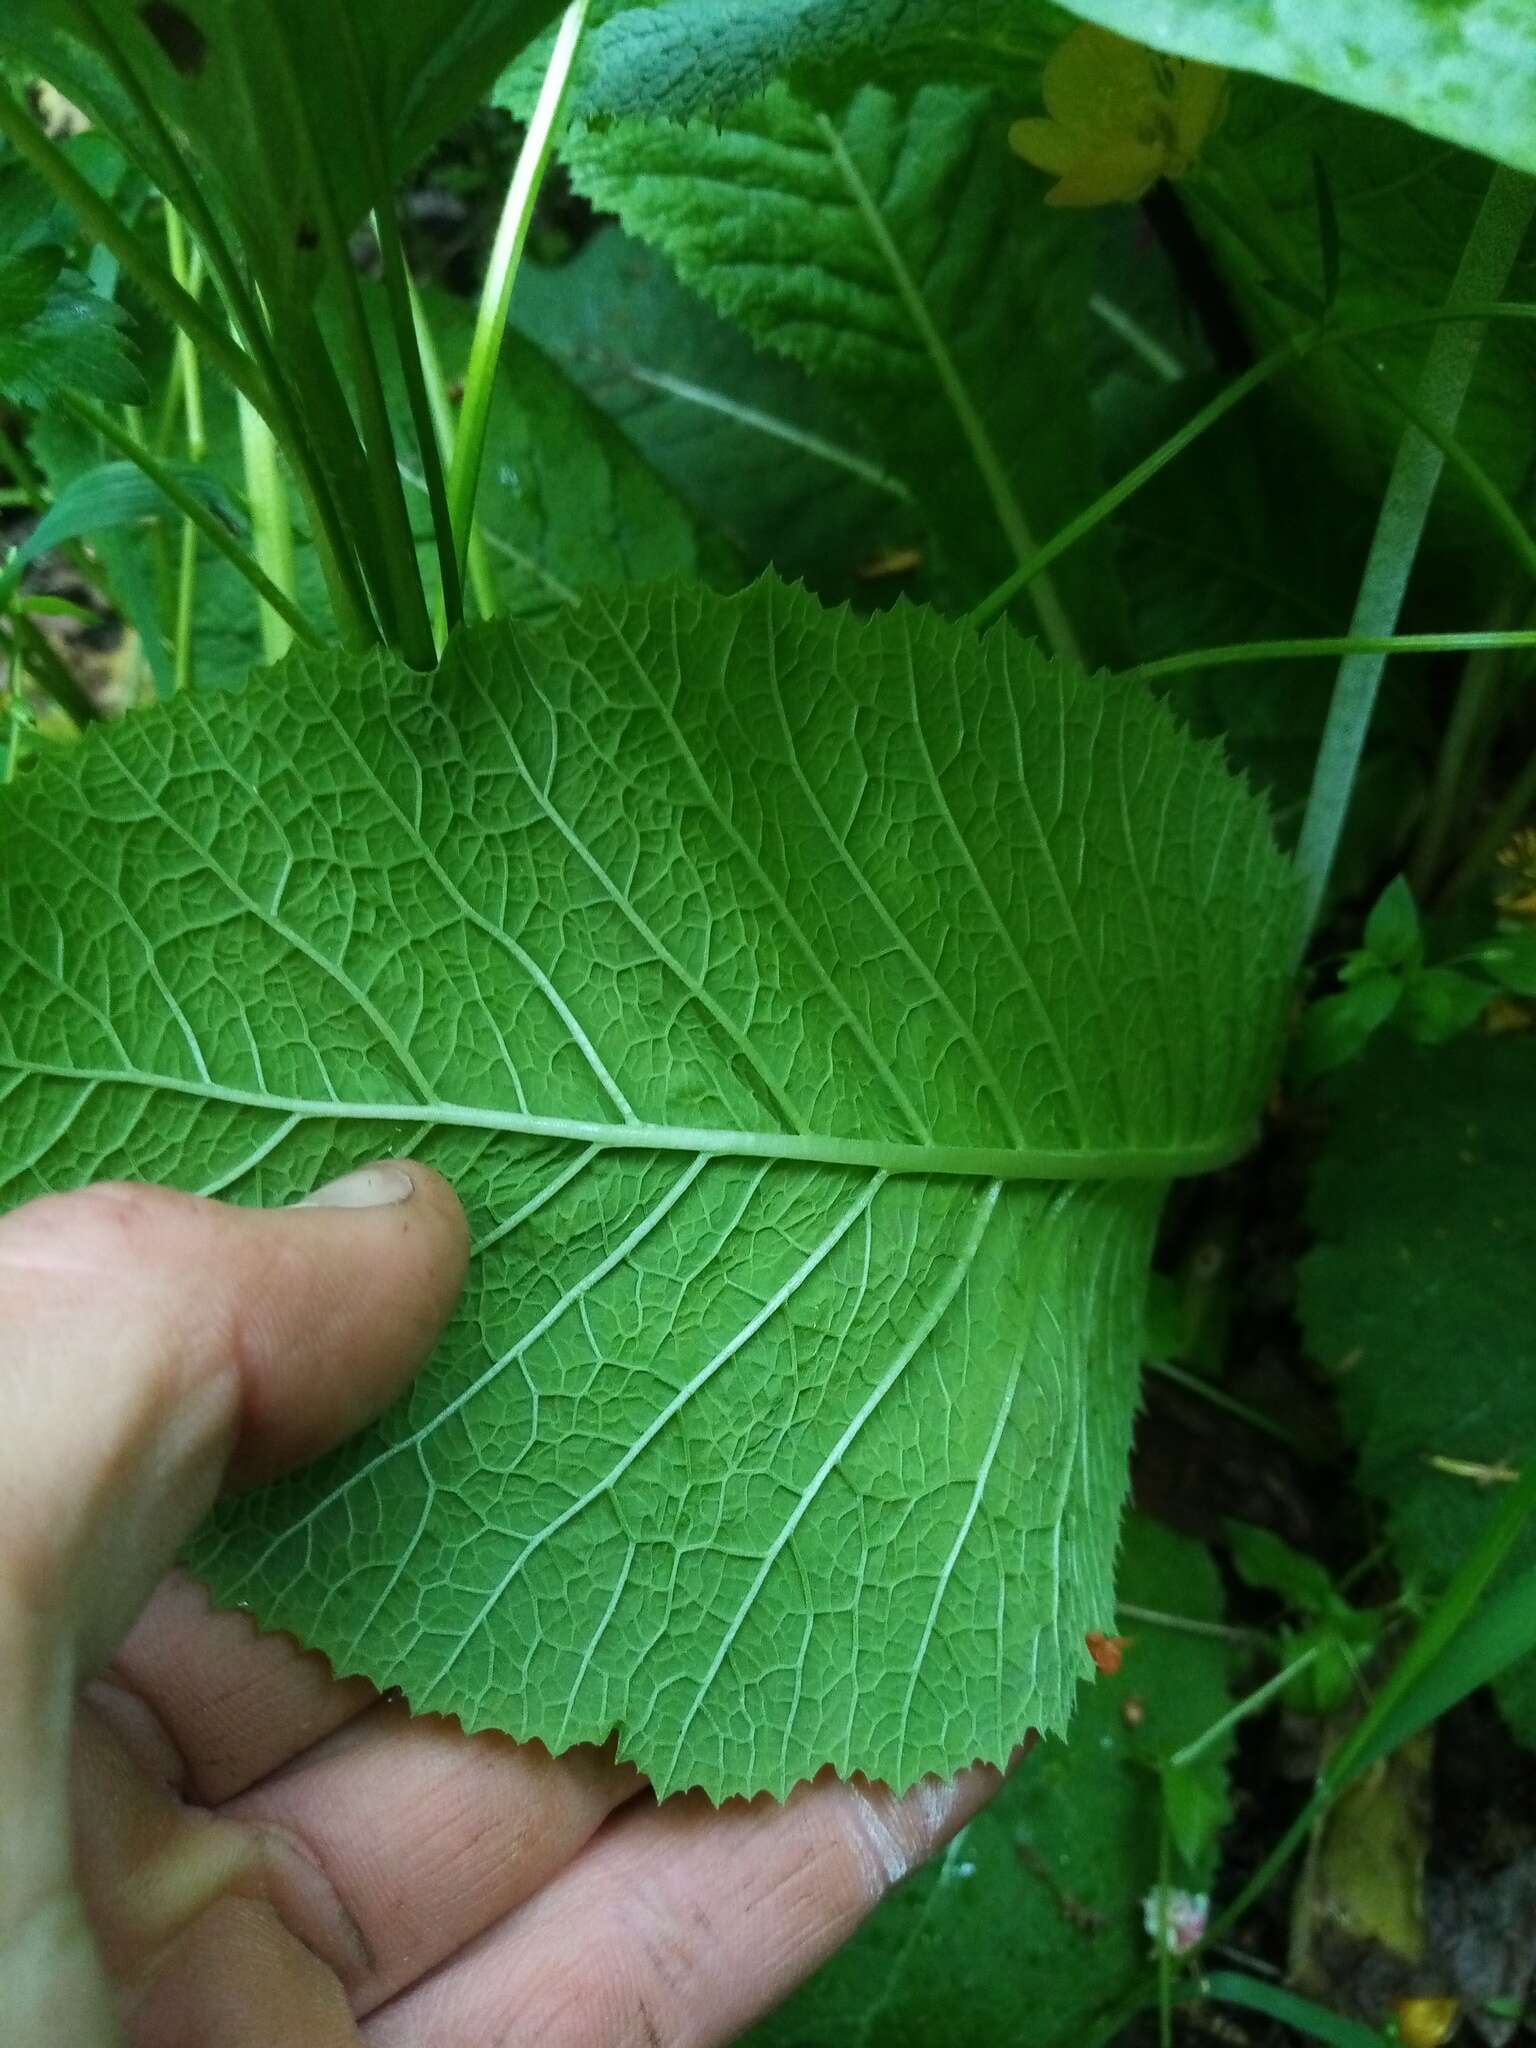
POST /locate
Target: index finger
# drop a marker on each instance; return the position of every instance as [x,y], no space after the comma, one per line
[681,1923]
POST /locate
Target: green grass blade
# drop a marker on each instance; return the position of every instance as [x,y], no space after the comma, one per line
[1228,1987]
[506,257]
[1485,267]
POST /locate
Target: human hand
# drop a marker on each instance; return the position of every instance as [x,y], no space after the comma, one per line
[207,1841]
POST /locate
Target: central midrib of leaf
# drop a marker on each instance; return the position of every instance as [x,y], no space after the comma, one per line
[769,984]
[980,1161]
[743,882]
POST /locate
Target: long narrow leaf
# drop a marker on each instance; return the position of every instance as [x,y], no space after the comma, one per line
[1276,2003]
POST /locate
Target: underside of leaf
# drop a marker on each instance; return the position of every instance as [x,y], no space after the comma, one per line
[809,1012]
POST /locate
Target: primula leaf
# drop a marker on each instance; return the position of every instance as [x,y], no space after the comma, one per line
[57,334]
[1421,1293]
[1032,1923]
[809,1012]
[692,57]
[746,438]
[568,503]
[1464,70]
[820,234]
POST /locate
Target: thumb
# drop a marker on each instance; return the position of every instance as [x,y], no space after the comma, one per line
[154,1345]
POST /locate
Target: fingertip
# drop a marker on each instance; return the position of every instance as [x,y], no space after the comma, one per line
[158,1344]
[347,1293]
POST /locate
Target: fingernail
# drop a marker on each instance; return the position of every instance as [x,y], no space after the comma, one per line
[371,1187]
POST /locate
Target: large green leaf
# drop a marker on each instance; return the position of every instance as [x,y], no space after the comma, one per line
[893,250]
[257,95]
[1032,1924]
[691,57]
[1421,1293]
[58,334]
[568,503]
[1464,70]
[1405,208]
[810,1011]
[746,438]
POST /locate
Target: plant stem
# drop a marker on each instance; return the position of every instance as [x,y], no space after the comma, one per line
[28,481]
[1059,631]
[1254,226]
[188,274]
[155,662]
[1109,501]
[271,523]
[1484,270]
[153,279]
[1437,1633]
[173,175]
[397,291]
[191,507]
[1218,1397]
[1372,1735]
[403,308]
[15,725]
[1164,1948]
[1512,528]
[1474,716]
[1255,1702]
[482,578]
[1316,649]
[1162,362]
[1263,372]
[496,299]
[1516,804]
[1186,1625]
[397,590]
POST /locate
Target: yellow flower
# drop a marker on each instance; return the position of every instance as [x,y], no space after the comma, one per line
[1517,898]
[1121,117]
[1425,2022]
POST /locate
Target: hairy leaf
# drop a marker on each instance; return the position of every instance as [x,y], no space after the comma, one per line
[810,1012]
[692,57]
[894,251]
[1421,1293]
[57,334]
[1464,70]
[1031,1925]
